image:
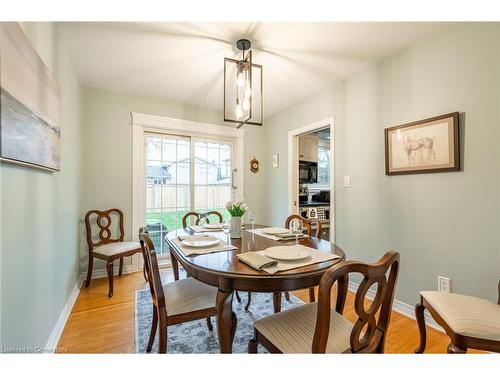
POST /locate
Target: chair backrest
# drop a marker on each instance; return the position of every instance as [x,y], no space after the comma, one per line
[154,278]
[312,226]
[369,331]
[200,218]
[104,223]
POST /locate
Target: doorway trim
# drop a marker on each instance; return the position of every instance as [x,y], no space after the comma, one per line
[293,166]
[144,123]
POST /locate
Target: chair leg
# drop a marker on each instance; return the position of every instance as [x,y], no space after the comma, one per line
[154,328]
[249,301]
[120,272]
[419,314]
[109,269]
[89,271]
[277,302]
[238,298]
[453,349]
[162,341]
[209,324]
[287,296]
[312,297]
[253,343]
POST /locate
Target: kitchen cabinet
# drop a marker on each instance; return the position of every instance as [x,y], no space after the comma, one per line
[308,148]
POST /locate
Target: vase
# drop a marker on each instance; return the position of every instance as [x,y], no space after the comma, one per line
[235,226]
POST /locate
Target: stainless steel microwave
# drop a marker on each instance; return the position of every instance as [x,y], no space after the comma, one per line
[308,172]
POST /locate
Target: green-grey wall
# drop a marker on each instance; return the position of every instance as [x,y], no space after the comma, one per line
[108,152]
[443,223]
[39,216]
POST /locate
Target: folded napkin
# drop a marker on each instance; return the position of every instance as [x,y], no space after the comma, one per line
[286,236]
[256,261]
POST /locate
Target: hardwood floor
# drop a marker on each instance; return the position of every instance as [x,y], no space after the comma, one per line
[99,324]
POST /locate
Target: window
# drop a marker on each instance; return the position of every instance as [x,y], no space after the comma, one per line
[323,165]
[184,174]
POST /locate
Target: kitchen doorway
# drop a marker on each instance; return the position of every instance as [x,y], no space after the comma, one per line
[311,174]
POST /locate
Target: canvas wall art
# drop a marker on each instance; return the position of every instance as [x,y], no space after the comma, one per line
[430,145]
[29,103]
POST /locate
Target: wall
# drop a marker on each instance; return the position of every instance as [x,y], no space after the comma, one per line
[108,152]
[442,224]
[39,216]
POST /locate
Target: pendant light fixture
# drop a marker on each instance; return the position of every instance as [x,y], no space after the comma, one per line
[243,88]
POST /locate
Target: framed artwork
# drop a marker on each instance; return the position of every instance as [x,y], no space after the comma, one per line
[29,102]
[426,146]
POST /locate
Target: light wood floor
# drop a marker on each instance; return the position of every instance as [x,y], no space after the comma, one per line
[99,324]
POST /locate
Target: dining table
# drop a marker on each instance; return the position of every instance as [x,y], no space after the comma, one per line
[224,271]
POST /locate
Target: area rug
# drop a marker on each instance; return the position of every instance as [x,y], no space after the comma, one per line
[194,337]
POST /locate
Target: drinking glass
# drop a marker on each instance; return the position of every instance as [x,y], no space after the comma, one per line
[252,215]
[226,228]
[296,227]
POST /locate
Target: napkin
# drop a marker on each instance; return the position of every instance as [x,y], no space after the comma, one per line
[256,261]
[287,235]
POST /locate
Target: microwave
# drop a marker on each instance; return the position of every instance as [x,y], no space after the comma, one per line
[308,172]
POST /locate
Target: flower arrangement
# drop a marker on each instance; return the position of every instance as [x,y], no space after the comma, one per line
[237,208]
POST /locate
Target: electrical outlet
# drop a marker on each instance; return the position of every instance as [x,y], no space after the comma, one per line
[444,284]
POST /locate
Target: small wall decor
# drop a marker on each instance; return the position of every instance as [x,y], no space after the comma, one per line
[254,165]
[425,146]
[276,160]
[29,102]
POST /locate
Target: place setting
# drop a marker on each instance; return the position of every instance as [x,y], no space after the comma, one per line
[204,243]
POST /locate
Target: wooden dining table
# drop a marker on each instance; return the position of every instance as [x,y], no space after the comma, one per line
[224,271]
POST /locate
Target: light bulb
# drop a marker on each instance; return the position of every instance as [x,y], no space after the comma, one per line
[246,104]
[248,91]
[240,80]
[239,111]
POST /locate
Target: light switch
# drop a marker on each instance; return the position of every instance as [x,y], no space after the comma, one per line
[347,181]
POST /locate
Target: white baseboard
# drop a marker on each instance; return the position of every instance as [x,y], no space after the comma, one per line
[400,307]
[51,345]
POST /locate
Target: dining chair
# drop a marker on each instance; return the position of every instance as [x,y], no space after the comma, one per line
[312,228]
[317,328]
[469,322]
[104,246]
[176,302]
[200,218]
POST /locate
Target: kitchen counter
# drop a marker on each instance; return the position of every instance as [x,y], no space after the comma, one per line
[313,204]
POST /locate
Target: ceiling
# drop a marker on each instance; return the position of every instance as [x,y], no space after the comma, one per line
[184,61]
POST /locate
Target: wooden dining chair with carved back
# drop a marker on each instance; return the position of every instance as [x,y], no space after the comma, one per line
[470,322]
[106,247]
[318,328]
[312,228]
[176,302]
[200,218]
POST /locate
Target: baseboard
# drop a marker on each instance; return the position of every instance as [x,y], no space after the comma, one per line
[51,346]
[100,273]
[400,307]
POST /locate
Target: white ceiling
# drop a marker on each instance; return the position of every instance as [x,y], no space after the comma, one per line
[184,61]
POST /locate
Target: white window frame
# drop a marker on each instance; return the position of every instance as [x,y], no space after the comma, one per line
[145,123]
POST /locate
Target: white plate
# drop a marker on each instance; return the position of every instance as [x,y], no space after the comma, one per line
[287,252]
[213,226]
[275,230]
[200,241]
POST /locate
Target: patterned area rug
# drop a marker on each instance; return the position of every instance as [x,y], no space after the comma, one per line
[194,337]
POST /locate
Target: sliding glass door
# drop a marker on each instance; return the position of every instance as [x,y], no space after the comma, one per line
[184,174]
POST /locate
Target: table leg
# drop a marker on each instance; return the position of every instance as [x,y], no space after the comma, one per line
[226,320]
[175,266]
[277,302]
